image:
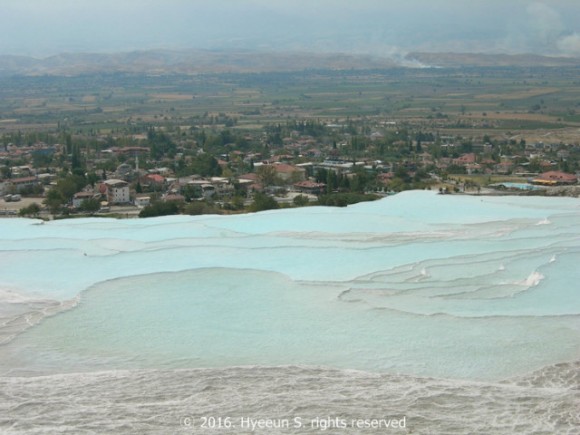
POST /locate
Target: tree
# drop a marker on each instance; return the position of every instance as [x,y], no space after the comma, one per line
[92,178]
[90,205]
[5,172]
[300,201]
[263,202]
[200,207]
[32,210]
[41,160]
[68,143]
[344,199]
[160,144]
[160,208]
[266,175]
[54,200]
[70,185]
[76,164]
[205,165]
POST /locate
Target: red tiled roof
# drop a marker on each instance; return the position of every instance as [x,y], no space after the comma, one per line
[251,176]
[84,195]
[465,158]
[286,168]
[23,180]
[174,198]
[156,178]
[310,184]
[558,176]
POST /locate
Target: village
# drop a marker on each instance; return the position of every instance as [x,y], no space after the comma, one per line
[158,173]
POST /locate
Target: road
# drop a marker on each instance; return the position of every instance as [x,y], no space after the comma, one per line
[13,208]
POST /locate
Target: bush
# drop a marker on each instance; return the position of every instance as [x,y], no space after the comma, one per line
[344,199]
[90,205]
[160,208]
[263,202]
[32,210]
[201,207]
[300,201]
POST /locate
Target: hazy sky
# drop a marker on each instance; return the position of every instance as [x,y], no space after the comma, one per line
[381,27]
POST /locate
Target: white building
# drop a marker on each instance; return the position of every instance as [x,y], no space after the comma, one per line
[142,201]
[117,191]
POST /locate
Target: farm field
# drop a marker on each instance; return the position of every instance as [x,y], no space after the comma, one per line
[502,99]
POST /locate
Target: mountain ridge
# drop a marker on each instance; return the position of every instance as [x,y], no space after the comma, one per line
[162,61]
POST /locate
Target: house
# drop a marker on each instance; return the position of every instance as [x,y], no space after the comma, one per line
[22,172]
[385,177]
[281,158]
[310,187]
[473,168]
[203,188]
[335,165]
[252,176]
[465,159]
[117,191]
[174,198]
[161,171]
[504,168]
[553,178]
[289,172]
[19,184]
[222,185]
[80,197]
[153,182]
[208,191]
[127,151]
[142,201]
[249,182]
[154,179]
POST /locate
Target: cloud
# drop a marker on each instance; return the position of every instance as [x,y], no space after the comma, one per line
[570,45]
[545,23]
[541,28]
[39,27]
[549,31]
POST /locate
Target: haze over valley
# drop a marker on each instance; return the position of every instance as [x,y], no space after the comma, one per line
[382,29]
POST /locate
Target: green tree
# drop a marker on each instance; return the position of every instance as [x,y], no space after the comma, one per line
[160,208]
[90,205]
[76,163]
[300,201]
[205,165]
[5,172]
[70,185]
[266,175]
[200,207]
[54,201]
[238,202]
[344,199]
[160,144]
[263,202]
[41,160]
[92,178]
[32,210]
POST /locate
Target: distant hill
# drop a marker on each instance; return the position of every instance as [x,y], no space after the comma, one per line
[186,62]
[207,61]
[455,60]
